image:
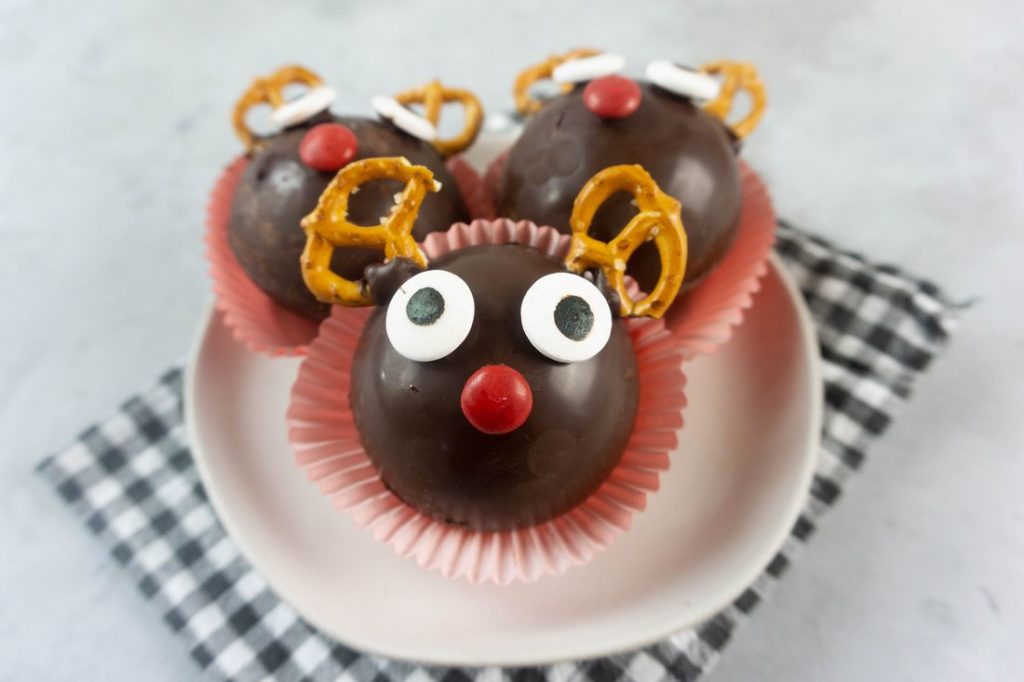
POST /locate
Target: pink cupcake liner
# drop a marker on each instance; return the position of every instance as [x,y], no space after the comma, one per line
[475,196]
[327,446]
[492,176]
[254,319]
[704,319]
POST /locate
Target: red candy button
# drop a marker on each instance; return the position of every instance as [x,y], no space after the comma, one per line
[497,399]
[612,96]
[328,146]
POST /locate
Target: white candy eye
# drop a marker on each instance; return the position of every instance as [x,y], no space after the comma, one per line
[430,315]
[304,108]
[682,81]
[588,68]
[405,119]
[566,318]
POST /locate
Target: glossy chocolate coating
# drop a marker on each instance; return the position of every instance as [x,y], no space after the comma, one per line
[412,426]
[277,190]
[689,153]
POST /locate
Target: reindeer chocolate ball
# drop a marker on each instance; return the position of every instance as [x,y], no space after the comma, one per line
[288,170]
[674,126]
[496,387]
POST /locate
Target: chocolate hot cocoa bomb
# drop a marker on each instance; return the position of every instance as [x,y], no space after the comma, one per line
[278,188]
[429,426]
[689,153]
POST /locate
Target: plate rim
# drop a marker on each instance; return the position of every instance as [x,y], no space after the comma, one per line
[808,335]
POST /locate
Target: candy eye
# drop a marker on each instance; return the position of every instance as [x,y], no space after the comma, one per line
[682,81]
[304,108]
[566,318]
[430,315]
[405,119]
[588,68]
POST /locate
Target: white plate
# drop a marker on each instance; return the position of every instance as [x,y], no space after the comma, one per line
[737,483]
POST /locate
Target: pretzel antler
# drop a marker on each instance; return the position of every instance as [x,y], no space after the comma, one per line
[736,76]
[328,227]
[659,218]
[269,90]
[433,96]
[525,103]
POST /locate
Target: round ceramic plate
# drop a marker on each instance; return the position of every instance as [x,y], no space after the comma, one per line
[736,485]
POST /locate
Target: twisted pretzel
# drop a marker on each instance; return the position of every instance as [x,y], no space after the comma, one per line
[269,90]
[525,104]
[433,96]
[736,76]
[327,227]
[659,218]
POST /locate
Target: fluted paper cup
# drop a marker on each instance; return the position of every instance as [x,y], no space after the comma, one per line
[327,446]
[478,200]
[254,319]
[704,319]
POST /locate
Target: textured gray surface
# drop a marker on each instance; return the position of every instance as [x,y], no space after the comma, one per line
[894,128]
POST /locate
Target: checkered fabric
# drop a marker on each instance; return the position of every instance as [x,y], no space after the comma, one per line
[132,479]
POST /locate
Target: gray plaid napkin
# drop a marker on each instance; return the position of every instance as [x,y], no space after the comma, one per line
[132,479]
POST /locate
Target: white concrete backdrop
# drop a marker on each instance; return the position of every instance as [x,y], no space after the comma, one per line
[894,128]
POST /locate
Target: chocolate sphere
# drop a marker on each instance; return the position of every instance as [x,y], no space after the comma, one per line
[277,190]
[413,429]
[689,153]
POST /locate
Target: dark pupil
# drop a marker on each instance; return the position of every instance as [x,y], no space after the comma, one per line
[425,306]
[574,318]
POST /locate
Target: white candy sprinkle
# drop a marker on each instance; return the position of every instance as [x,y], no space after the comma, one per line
[404,119]
[304,108]
[588,68]
[385,106]
[681,81]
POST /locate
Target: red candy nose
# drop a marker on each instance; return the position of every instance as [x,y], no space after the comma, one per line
[612,96]
[497,399]
[328,146]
